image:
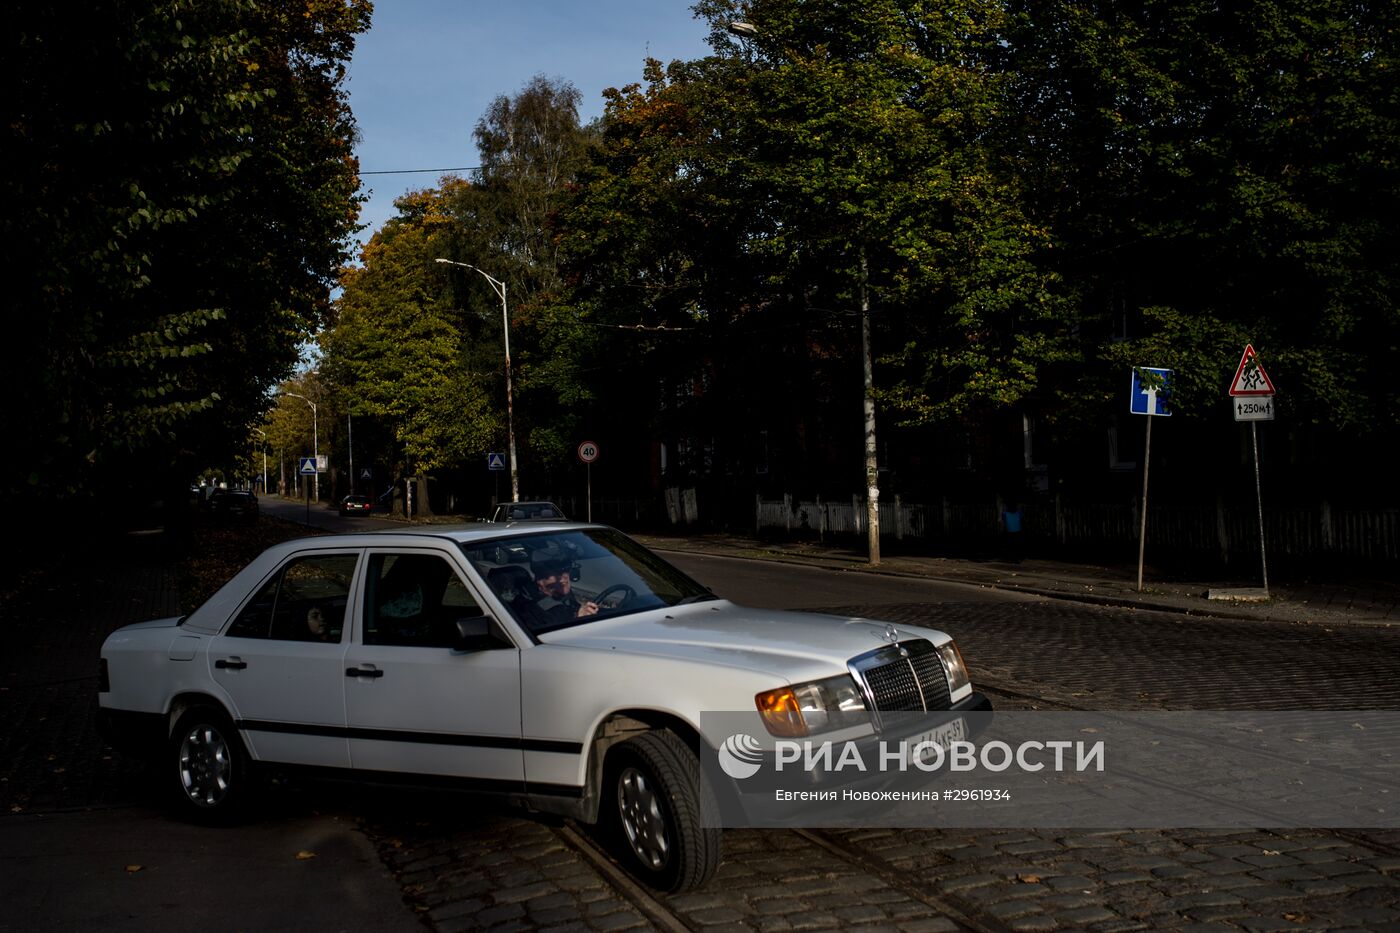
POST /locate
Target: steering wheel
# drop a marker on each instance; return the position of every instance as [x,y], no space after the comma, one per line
[626,591]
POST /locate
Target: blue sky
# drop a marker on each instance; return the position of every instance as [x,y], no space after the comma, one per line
[427,70]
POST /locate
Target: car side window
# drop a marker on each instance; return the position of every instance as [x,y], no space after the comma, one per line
[415,600]
[305,601]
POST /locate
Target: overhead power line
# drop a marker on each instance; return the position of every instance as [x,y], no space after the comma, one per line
[424,171]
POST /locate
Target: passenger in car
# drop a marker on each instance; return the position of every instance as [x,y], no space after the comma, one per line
[316,625]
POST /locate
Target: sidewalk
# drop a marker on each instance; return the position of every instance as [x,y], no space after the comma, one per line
[1362,601]
[85,840]
[1373,601]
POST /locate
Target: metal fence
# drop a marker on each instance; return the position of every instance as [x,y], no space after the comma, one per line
[1222,534]
[1215,534]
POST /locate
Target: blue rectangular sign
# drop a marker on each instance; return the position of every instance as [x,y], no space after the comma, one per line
[1154,396]
[495,462]
[308,466]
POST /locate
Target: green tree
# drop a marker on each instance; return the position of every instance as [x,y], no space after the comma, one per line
[531,150]
[1218,174]
[872,133]
[292,431]
[172,226]
[753,194]
[398,350]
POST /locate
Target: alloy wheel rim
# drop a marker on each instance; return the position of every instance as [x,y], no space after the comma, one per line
[642,819]
[206,766]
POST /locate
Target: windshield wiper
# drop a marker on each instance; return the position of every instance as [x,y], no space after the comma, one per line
[697,598]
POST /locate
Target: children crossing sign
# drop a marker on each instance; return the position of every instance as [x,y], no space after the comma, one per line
[1250,379]
[1252,398]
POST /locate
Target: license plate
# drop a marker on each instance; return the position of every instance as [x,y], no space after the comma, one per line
[942,736]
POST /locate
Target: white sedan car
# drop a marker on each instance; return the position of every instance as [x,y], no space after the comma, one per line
[564,666]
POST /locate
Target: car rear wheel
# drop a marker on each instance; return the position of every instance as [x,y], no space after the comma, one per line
[664,818]
[211,767]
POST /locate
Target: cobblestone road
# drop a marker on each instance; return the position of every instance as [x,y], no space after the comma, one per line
[1107,658]
[462,865]
[1055,654]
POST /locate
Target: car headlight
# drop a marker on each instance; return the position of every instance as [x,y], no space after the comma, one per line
[816,706]
[953,663]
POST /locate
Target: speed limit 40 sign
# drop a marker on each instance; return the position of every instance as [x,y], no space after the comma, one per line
[588,451]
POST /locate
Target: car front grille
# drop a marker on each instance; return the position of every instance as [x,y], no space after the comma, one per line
[903,677]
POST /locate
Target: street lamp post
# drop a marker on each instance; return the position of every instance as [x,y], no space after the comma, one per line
[499,288]
[315,443]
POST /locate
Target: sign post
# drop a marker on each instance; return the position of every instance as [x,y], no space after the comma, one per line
[1252,397]
[495,463]
[308,468]
[588,452]
[1150,394]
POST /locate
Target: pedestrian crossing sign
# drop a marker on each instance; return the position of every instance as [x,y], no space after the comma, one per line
[495,462]
[1250,378]
[308,466]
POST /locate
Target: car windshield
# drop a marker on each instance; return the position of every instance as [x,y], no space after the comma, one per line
[559,579]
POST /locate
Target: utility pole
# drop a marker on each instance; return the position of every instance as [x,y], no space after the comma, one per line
[872,466]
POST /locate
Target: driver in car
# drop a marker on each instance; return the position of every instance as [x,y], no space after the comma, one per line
[557,602]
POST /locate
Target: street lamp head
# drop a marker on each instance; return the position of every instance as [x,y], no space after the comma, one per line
[742,29]
[303,398]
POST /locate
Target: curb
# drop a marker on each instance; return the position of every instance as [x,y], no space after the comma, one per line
[1122,602]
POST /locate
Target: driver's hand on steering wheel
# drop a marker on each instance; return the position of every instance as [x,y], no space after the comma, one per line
[587,608]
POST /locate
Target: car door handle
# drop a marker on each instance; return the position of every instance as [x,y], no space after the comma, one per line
[363,672]
[230,664]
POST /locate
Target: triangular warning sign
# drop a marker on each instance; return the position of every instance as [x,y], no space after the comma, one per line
[1250,378]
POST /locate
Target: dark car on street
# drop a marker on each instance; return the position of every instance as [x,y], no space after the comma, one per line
[356,505]
[230,503]
[528,512]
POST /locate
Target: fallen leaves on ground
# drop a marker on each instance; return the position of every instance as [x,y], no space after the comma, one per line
[218,551]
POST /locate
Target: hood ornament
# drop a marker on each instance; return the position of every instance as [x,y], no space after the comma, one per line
[891,635]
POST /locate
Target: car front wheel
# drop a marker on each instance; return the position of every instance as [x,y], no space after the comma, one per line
[211,767]
[664,817]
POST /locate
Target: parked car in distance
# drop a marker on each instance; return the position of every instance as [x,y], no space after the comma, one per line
[561,665]
[356,505]
[233,503]
[528,512]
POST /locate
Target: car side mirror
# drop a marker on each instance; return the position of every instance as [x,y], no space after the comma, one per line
[479,633]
